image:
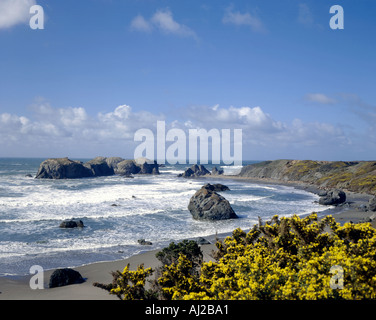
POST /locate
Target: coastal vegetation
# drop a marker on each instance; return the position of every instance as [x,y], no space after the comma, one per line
[284,258]
[355,176]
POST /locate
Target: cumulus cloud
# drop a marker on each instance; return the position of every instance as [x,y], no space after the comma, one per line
[243,19]
[13,12]
[163,21]
[59,130]
[74,123]
[246,118]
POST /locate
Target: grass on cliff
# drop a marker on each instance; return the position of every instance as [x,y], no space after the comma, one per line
[286,258]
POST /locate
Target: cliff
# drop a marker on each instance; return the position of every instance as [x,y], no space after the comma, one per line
[356,176]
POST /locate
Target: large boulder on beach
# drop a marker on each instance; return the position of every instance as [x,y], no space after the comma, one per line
[207,204]
[64,277]
[334,197]
[195,171]
[63,168]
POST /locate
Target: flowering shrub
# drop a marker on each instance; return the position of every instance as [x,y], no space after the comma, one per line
[129,285]
[287,258]
[291,258]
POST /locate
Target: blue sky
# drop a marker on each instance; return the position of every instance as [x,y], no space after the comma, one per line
[101,69]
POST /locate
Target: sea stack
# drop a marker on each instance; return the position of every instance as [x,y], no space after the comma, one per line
[206,204]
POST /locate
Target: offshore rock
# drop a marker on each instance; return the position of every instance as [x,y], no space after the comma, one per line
[216,172]
[63,168]
[195,171]
[99,167]
[147,166]
[127,167]
[70,224]
[138,166]
[216,187]
[206,204]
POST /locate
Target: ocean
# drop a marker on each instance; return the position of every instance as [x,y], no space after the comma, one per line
[118,211]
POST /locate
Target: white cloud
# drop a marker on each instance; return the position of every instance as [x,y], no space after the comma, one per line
[243,19]
[163,21]
[13,12]
[250,119]
[140,24]
[262,130]
[58,131]
[319,98]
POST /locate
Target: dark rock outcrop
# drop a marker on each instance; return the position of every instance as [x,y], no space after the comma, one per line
[334,197]
[64,277]
[372,204]
[146,166]
[216,187]
[195,171]
[99,167]
[216,172]
[143,242]
[138,166]
[113,162]
[206,204]
[127,167]
[70,224]
[63,168]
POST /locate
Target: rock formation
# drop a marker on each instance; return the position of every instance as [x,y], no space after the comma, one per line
[216,172]
[216,187]
[195,171]
[64,277]
[72,224]
[64,168]
[372,204]
[334,197]
[99,167]
[207,204]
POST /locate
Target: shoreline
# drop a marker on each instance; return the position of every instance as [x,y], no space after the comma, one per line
[17,287]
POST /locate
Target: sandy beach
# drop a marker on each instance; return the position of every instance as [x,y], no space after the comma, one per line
[18,288]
